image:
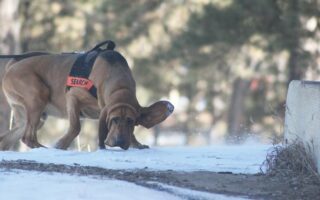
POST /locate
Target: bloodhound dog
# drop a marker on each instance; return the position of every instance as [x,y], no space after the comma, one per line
[35,86]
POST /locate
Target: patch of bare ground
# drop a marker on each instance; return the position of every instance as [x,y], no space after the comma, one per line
[257,186]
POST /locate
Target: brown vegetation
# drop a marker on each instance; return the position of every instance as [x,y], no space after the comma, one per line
[294,160]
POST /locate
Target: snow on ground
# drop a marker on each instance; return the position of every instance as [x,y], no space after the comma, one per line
[191,194]
[39,186]
[17,184]
[236,159]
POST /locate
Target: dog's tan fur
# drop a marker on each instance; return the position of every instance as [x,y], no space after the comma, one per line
[36,85]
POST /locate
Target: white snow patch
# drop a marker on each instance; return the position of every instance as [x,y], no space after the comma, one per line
[236,159]
[182,192]
[16,185]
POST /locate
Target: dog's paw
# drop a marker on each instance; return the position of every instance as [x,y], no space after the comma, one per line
[140,146]
[102,147]
[60,146]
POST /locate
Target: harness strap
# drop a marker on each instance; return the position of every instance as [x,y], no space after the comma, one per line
[82,67]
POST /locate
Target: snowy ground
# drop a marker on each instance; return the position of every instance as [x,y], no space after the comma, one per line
[39,186]
[18,184]
[236,159]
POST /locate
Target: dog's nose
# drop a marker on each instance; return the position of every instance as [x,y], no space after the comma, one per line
[120,141]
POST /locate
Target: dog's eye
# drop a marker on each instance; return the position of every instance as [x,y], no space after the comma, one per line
[130,121]
[116,120]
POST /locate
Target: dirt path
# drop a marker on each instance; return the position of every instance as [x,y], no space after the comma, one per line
[253,186]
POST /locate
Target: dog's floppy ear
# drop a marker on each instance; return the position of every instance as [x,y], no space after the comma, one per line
[103,127]
[154,114]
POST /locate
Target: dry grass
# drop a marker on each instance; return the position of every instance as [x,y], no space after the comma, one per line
[291,160]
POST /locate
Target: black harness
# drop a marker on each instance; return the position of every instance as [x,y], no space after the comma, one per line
[81,68]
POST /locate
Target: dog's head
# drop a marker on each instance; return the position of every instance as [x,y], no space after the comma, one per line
[119,120]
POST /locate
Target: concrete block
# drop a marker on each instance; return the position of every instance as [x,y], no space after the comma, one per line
[302,118]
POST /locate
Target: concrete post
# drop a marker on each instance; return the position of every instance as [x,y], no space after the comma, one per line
[302,119]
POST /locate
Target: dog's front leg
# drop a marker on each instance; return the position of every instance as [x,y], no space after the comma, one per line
[73,109]
[137,145]
[103,128]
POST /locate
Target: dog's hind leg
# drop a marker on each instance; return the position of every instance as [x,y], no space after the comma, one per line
[34,110]
[73,109]
[11,137]
[32,98]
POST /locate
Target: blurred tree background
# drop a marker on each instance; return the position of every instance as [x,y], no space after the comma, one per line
[225,65]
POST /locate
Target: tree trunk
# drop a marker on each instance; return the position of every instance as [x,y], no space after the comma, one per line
[9,44]
[10,27]
[236,112]
[296,70]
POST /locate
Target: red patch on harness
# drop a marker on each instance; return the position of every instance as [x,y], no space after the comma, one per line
[79,82]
